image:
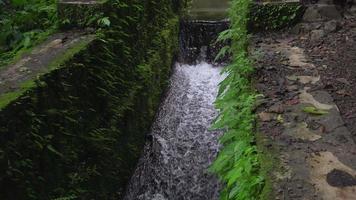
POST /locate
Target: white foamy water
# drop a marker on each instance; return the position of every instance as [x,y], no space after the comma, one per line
[174,163]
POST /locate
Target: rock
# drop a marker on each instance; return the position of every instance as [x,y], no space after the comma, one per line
[312,15]
[321,12]
[331,26]
[292,88]
[276,108]
[329,12]
[266,117]
[343,80]
[297,29]
[339,178]
[317,35]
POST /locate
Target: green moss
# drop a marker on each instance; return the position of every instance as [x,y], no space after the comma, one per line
[71,52]
[269,164]
[7,98]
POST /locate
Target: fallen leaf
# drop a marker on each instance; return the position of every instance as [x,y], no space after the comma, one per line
[314,110]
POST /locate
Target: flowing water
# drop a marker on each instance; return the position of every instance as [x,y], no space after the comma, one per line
[181,147]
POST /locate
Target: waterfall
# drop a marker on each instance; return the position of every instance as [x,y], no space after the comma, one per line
[181,146]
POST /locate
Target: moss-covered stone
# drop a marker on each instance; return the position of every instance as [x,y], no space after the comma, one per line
[79,131]
[27,83]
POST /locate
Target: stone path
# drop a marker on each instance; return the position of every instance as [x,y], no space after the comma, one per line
[316,152]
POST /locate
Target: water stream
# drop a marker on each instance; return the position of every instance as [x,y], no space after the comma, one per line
[181,146]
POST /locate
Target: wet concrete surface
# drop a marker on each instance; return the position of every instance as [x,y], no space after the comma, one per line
[208,9]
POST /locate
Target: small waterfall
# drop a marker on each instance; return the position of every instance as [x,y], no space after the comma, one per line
[180,147]
[197,36]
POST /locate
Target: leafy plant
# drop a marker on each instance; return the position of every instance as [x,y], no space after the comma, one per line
[271,16]
[23,23]
[105,22]
[238,163]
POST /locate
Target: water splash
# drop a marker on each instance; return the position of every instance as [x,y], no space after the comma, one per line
[175,161]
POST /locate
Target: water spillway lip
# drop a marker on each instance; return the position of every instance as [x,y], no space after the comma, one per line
[212,22]
[80,2]
[277,2]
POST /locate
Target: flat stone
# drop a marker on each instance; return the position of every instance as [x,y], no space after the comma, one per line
[317,35]
[307,98]
[301,131]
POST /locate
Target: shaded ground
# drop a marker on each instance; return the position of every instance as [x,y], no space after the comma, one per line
[307,112]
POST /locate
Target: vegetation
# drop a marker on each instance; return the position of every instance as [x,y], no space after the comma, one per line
[274,16]
[78,133]
[23,23]
[238,163]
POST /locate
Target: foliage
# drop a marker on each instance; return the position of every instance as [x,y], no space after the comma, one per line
[80,131]
[274,16]
[81,16]
[238,163]
[23,23]
[315,111]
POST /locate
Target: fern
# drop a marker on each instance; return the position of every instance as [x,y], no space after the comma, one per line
[238,163]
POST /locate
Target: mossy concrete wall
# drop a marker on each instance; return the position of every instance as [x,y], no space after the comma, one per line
[78,133]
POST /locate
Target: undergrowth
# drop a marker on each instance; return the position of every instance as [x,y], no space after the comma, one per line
[23,24]
[238,163]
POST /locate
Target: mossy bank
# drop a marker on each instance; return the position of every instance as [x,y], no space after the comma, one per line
[78,131]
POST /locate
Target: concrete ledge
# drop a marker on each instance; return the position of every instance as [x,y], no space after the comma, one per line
[17,78]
